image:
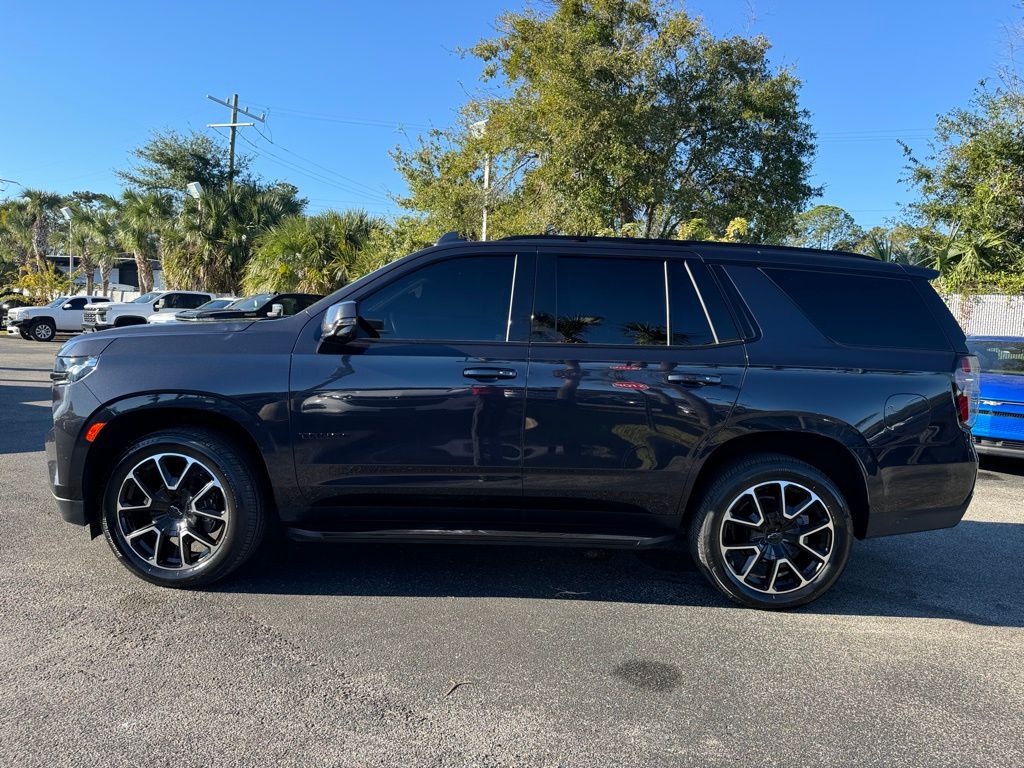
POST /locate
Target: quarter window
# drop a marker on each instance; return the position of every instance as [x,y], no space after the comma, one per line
[460,299]
[863,310]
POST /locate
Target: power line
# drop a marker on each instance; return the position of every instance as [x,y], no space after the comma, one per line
[322,178]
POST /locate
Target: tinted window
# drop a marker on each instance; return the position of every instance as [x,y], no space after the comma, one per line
[191,300]
[601,301]
[463,299]
[714,302]
[687,313]
[863,310]
[994,356]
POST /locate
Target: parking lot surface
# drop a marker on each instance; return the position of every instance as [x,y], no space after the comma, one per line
[456,655]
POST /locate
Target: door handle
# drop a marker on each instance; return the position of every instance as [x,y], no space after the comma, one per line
[489,373]
[695,379]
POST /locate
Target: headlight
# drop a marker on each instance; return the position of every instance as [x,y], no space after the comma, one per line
[69,369]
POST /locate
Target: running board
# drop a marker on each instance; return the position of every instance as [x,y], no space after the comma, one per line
[472,536]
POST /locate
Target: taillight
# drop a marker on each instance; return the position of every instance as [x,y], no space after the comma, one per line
[967,389]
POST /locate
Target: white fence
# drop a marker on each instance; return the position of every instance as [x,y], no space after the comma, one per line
[988,314]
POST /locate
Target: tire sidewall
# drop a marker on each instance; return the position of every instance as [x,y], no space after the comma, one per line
[721,496]
[39,325]
[112,529]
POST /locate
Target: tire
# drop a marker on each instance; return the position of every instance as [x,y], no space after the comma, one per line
[797,551]
[42,330]
[24,334]
[194,536]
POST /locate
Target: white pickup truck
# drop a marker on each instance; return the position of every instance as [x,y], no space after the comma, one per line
[118,314]
[63,314]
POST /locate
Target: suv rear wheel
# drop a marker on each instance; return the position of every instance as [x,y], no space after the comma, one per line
[181,508]
[42,330]
[772,532]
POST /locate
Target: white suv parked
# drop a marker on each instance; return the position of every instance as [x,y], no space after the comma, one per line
[118,314]
[64,314]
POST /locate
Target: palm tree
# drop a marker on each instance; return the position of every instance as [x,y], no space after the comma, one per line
[41,206]
[16,232]
[315,254]
[142,219]
[93,237]
[214,238]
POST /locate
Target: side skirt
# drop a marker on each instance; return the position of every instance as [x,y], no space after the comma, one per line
[474,536]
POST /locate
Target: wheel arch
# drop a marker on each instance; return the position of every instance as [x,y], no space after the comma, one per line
[133,418]
[122,321]
[829,455]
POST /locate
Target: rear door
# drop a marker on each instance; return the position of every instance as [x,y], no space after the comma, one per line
[634,360]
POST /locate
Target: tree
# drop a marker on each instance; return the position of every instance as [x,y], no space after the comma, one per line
[313,254]
[81,239]
[828,227]
[612,114]
[971,188]
[142,217]
[15,232]
[169,161]
[212,239]
[41,207]
[100,226]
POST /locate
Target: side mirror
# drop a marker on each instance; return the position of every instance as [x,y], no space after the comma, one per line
[276,310]
[158,304]
[67,305]
[340,322]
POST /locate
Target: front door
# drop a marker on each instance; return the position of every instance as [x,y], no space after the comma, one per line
[421,424]
[631,366]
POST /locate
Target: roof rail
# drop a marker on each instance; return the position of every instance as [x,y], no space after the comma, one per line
[687,243]
[450,237]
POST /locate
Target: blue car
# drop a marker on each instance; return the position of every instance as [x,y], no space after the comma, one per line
[999,429]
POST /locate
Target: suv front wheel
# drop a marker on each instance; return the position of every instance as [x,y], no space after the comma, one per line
[772,532]
[181,508]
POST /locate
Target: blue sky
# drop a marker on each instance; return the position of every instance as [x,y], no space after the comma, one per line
[81,84]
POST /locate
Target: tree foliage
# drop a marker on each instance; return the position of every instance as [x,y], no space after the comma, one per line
[970,208]
[828,227]
[615,114]
[314,254]
[170,160]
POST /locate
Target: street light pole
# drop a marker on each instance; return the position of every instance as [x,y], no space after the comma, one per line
[68,215]
[478,129]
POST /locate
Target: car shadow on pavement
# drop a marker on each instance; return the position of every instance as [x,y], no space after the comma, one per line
[25,416]
[969,573]
[1000,465]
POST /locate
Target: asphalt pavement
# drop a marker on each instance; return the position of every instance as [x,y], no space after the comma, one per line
[357,655]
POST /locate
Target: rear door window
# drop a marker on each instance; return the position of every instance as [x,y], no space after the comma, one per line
[863,310]
[608,301]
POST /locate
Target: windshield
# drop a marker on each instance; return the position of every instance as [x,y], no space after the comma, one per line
[58,301]
[215,304]
[250,303]
[147,297]
[999,356]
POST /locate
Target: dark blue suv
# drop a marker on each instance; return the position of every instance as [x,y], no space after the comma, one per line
[763,406]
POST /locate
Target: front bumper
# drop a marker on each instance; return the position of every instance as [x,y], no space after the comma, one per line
[72,510]
[14,327]
[988,446]
[90,326]
[66,449]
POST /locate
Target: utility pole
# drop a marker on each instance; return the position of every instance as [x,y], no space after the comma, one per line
[234,125]
[487,189]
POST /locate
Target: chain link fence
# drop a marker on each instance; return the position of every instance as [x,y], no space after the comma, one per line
[988,314]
